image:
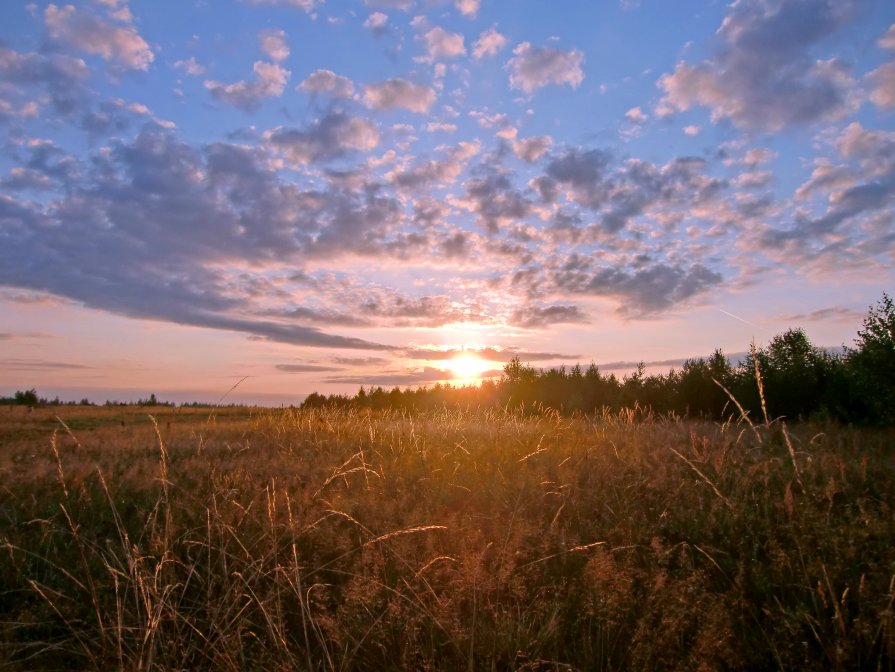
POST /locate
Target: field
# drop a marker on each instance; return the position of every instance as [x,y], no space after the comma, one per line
[240,539]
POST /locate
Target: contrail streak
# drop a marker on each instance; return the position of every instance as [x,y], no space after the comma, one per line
[739,318]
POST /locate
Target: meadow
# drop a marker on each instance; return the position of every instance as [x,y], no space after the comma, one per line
[481,539]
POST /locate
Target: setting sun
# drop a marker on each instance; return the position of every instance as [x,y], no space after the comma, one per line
[467,366]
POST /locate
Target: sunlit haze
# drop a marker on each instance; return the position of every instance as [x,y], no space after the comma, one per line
[314,195]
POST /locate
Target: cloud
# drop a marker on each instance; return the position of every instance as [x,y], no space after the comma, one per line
[824,177]
[118,10]
[63,77]
[305,368]
[399,93]
[25,178]
[326,81]
[442,44]
[532,68]
[583,173]
[538,317]
[692,130]
[887,41]
[424,175]
[868,190]
[621,194]
[489,43]
[764,76]
[274,44]
[495,201]
[533,148]
[397,310]
[439,127]
[642,290]
[400,5]
[636,116]
[190,66]
[120,44]
[491,354]
[328,138]
[833,314]
[360,361]
[324,316]
[455,246]
[304,5]
[468,8]
[883,94]
[377,23]
[148,230]
[38,365]
[270,81]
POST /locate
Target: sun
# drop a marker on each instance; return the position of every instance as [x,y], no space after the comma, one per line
[467,366]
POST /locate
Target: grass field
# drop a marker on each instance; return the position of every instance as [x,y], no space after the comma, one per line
[240,539]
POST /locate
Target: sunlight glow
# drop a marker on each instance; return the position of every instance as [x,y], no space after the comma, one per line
[466,366]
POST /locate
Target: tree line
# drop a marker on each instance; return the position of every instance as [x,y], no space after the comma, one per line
[789,377]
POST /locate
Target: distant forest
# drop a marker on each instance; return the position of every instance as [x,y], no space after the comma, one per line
[789,377]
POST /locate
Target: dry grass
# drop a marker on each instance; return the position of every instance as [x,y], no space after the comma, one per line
[324,540]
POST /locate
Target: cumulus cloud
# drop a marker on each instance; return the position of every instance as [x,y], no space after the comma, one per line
[399,93]
[636,116]
[119,44]
[440,127]
[539,317]
[270,81]
[20,179]
[63,77]
[583,173]
[495,201]
[327,138]
[852,193]
[144,232]
[489,43]
[118,10]
[620,194]
[887,41]
[426,174]
[274,44]
[377,23]
[765,76]
[641,289]
[304,5]
[442,44]
[468,8]
[400,5]
[398,310]
[532,148]
[883,93]
[328,82]
[532,68]
[190,66]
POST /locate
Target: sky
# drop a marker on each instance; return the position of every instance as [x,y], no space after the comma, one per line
[289,196]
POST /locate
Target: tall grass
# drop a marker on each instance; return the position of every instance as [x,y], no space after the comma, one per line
[325,540]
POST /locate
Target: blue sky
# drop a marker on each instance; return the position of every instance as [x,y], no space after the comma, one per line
[323,194]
